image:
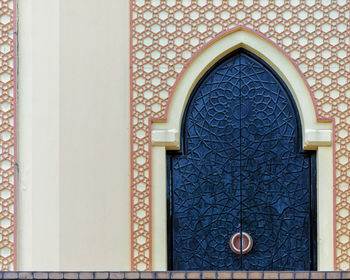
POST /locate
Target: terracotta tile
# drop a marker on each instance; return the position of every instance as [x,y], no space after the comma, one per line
[41,275]
[193,275]
[318,275]
[333,275]
[101,275]
[147,275]
[10,275]
[57,275]
[345,275]
[70,275]
[255,275]
[239,275]
[209,275]
[132,275]
[286,275]
[302,275]
[163,275]
[225,275]
[270,275]
[86,275]
[25,275]
[116,275]
[178,275]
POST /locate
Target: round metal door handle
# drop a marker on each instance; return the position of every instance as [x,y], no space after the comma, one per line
[235,243]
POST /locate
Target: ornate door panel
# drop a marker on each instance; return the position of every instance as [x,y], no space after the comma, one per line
[241,170]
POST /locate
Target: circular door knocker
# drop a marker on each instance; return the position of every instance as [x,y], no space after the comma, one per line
[235,243]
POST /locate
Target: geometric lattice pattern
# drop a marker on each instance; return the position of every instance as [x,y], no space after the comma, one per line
[240,170]
[7,133]
[166,33]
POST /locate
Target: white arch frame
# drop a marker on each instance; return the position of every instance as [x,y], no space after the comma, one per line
[317,135]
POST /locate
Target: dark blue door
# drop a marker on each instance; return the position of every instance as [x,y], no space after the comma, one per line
[241,169]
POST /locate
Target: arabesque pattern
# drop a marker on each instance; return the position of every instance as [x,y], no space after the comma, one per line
[7,133]
[166,33]
[238,119]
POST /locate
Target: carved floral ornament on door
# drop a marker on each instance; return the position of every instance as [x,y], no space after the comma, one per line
[158,56]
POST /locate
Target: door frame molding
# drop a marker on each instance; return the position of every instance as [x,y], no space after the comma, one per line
[317,134]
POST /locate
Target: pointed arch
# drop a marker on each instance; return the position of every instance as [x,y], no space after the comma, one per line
[316,133]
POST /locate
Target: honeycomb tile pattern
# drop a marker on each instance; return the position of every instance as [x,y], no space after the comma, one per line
[7,134]
[166,33]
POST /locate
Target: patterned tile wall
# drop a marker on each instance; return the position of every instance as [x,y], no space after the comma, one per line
[166,33]
[7,133]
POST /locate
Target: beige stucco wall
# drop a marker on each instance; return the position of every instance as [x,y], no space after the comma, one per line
[73,135]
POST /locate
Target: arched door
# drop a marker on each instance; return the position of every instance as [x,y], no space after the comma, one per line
[241,170]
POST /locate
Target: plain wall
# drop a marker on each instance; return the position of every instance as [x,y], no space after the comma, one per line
[73,135]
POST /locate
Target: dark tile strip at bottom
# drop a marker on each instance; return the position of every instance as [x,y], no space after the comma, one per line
[177,275]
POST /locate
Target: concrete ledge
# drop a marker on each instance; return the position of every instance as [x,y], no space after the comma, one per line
[165,137]
[321,137]
[177,275]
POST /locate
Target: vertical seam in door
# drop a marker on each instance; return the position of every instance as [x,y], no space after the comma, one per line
[240,158]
